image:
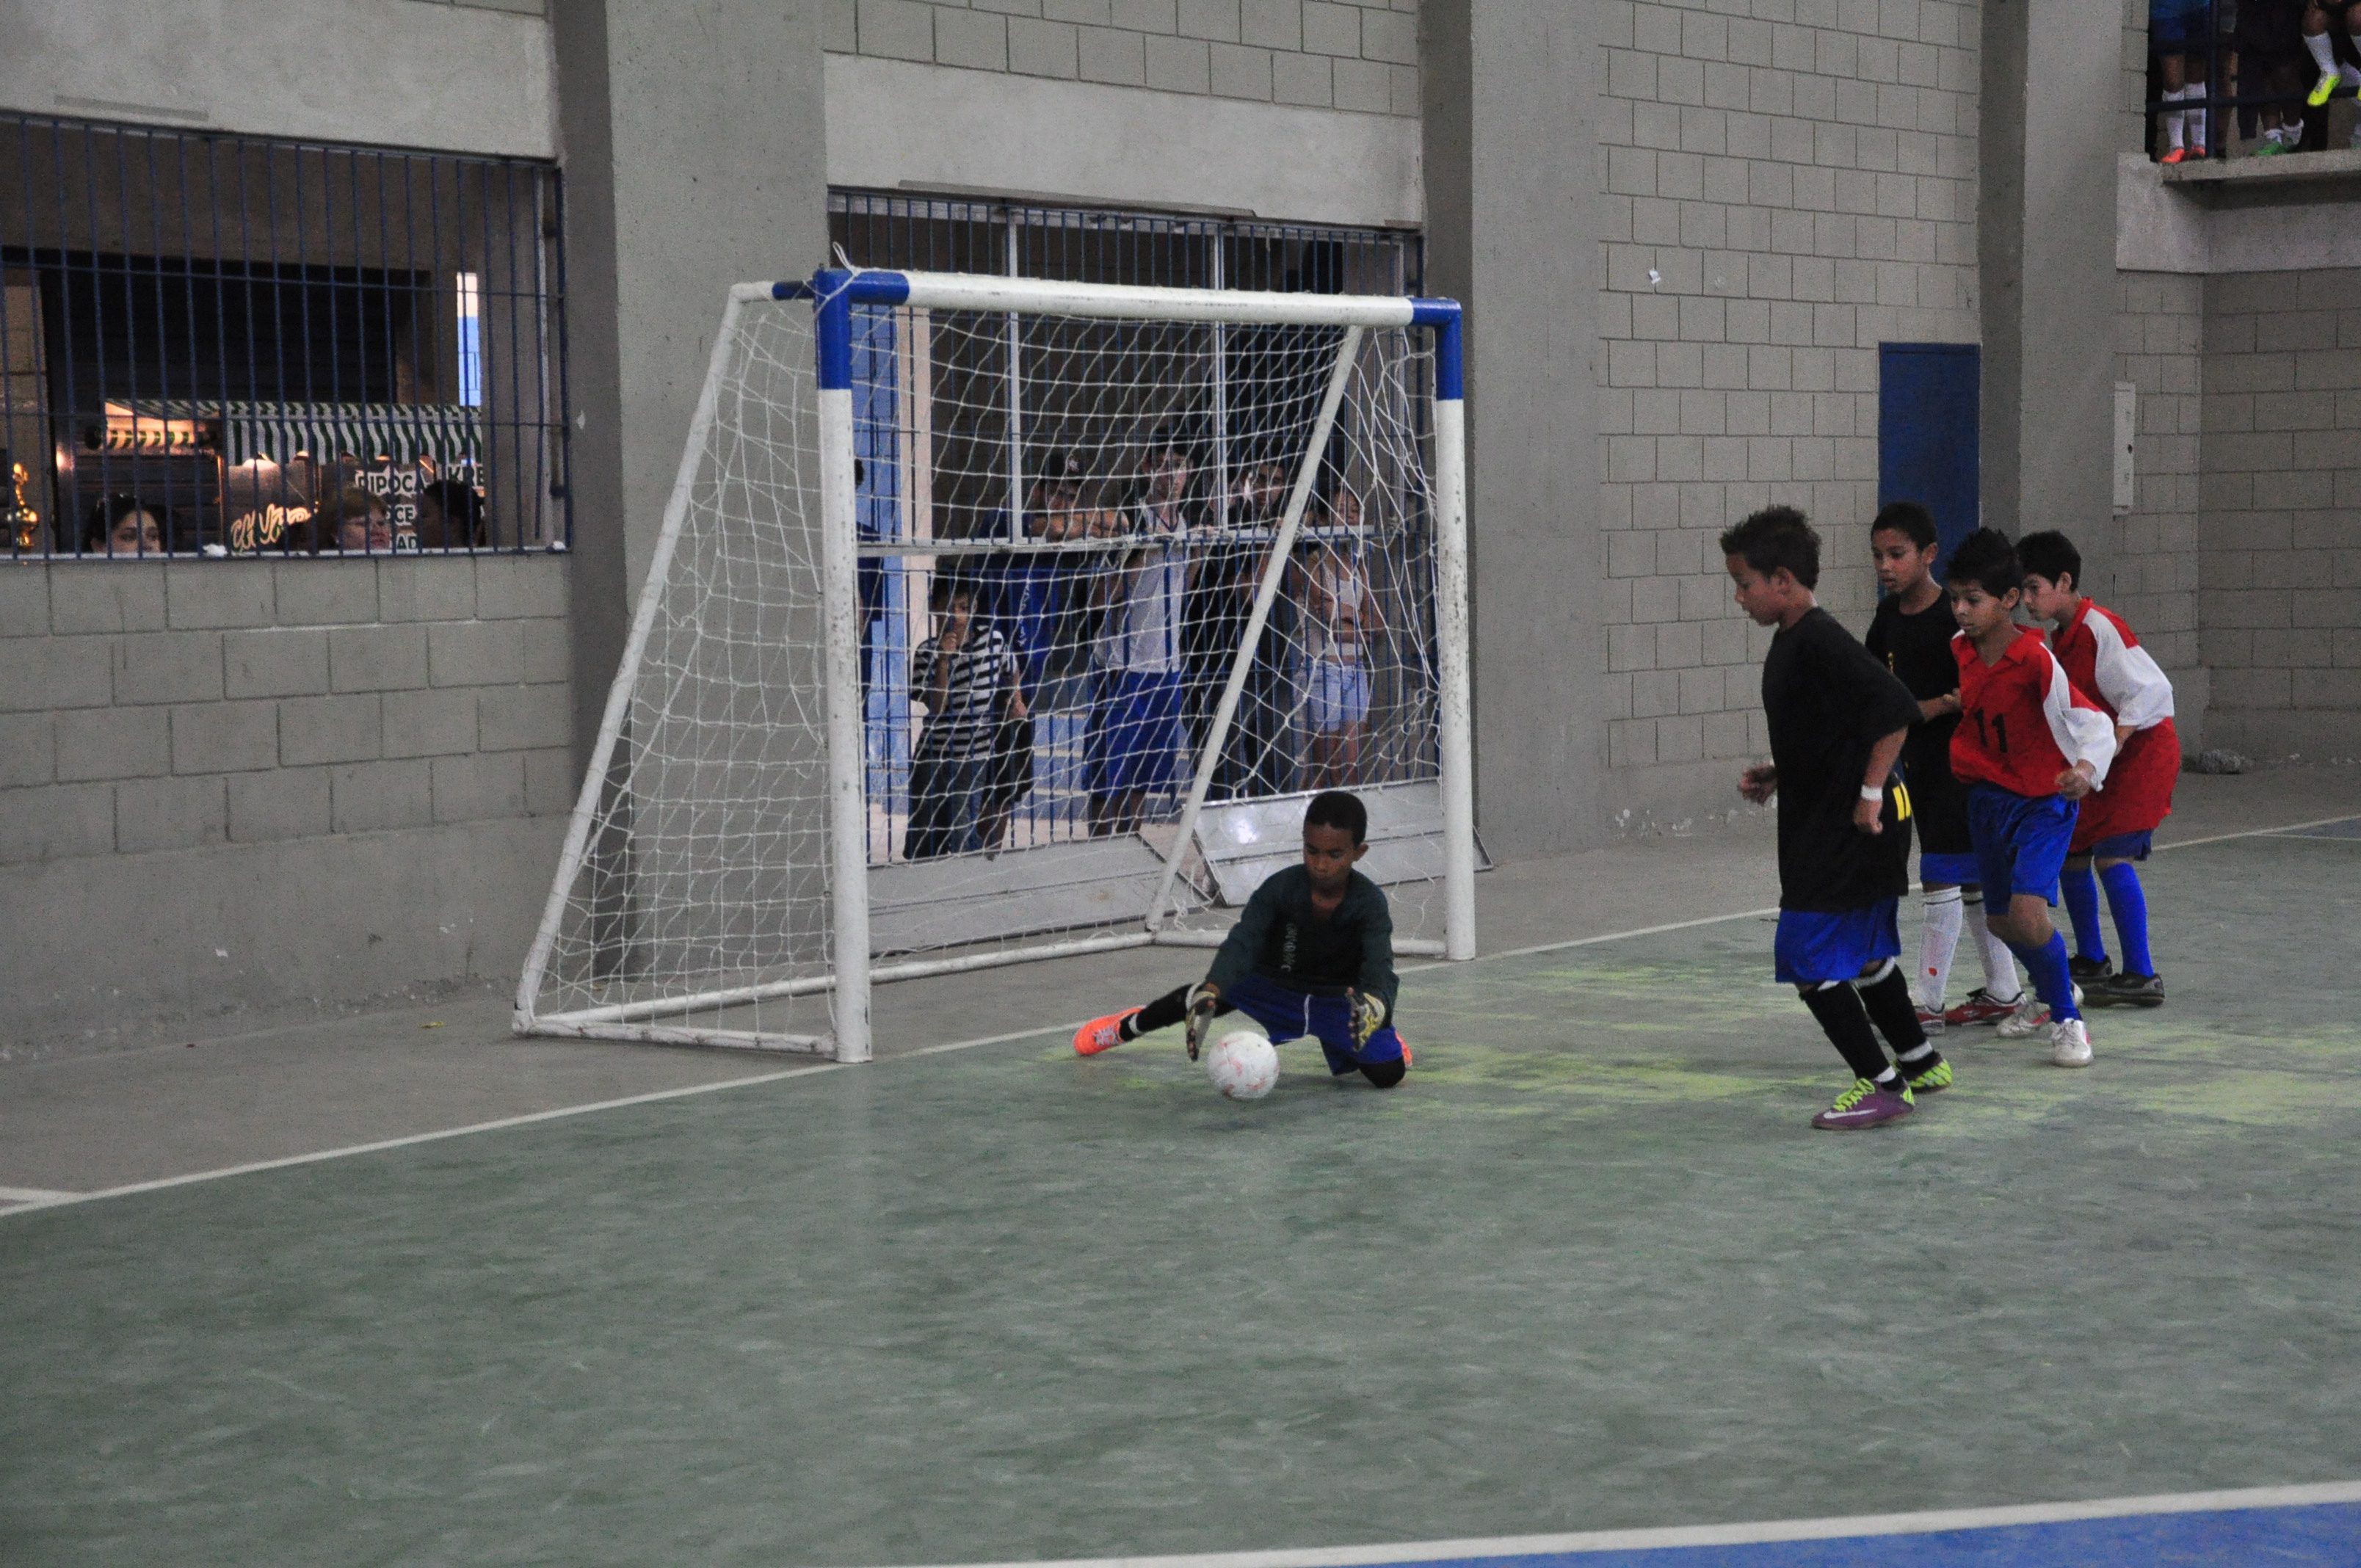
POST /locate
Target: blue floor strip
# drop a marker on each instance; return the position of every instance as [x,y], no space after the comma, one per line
[2321,1536]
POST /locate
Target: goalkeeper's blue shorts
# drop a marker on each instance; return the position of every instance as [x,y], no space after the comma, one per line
[1290,1015]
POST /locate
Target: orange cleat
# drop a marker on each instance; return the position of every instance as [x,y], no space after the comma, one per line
[2176,154]
[1100,1033]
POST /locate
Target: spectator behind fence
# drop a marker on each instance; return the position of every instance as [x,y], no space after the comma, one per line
[1136,712]
[354,521]
[120,528]
[2271,58]
[1025,592]
[450,516]
[1341,622]
[2320,40]
[966,677]
[2178,32]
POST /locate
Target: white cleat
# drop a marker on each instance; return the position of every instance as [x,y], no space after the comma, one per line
[2031,1018]
[2069,1044]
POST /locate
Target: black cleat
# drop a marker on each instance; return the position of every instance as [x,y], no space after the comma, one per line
[2084,971]
[2130,991]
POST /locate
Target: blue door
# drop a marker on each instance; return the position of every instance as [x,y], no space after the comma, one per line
[1927,442]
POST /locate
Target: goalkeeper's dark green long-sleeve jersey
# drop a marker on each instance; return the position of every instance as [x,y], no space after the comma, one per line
[1281,937]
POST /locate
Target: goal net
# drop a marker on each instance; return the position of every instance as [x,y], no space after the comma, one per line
[993,621]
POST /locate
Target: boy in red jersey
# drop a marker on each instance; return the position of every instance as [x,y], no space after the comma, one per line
[2107,664]
[2029,746]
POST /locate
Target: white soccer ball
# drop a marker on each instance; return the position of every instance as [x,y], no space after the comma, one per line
[1242,1063]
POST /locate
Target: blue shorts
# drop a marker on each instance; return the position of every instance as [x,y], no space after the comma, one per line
[2124,845]
[1335,696]
[1814,947]
[1960,870]
[1135,730]
[2174,26]
[1290,1015]
[2021,841]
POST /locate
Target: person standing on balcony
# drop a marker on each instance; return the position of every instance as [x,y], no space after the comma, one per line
[2178,31]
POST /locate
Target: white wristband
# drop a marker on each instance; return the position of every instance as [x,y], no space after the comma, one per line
[1869,793]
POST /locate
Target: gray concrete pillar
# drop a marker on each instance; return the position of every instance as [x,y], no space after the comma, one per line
[1512,179]
[695,155]
[2052,72]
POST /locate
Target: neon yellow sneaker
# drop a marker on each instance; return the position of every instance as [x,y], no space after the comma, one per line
[1938,1077]
[2323,88]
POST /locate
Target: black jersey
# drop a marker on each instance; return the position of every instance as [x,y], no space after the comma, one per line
[1281,937]
[1828,702]
[1918,648]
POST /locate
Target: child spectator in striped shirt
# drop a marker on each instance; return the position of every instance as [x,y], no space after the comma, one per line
[965,674]
[2106,662]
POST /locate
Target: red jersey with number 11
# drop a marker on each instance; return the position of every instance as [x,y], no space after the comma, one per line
[2022,723]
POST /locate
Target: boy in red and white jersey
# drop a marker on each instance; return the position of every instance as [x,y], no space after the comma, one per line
[2104,660]
[2028,746]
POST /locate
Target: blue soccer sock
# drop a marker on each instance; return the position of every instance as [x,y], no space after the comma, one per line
[2082,890]
[2129,904]
[2051,980]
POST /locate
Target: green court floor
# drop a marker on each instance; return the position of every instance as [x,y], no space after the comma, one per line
[1589,1268]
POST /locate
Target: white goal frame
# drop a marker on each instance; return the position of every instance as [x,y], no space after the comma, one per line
[831,294]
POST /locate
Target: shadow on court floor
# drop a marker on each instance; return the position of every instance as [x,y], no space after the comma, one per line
[1588,1269]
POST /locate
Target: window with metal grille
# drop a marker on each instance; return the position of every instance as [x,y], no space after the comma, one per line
[216,345]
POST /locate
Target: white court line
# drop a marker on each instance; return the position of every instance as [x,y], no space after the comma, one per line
[35,1205]
[1759,1533]
[30,1195]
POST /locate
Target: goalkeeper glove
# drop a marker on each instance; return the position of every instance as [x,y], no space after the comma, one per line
[1368,1016]
[1201,1002]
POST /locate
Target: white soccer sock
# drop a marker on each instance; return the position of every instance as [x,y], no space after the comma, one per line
[2000,965]
[2193,121]
[2348,76]
[1938,939]
[2173,119]
[2321,54]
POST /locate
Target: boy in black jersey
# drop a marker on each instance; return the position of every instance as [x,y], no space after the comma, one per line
[1911,635]
[1838,719]
[1312,953]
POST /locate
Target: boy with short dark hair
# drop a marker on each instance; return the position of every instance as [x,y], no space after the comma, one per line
[2117,824]
[1838,719]
[1911,635]
[2029,746]
[1312,953]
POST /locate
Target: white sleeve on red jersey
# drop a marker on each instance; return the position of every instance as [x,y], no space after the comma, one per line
[2080,727]
[2131,680]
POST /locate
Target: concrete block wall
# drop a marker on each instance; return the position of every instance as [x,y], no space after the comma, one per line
[2149,560]
[2280,597]
[1786,188]
[166,729]
[1358,55]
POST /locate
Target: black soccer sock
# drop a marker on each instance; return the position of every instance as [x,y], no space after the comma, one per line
[1164,1011]
[1892,1009]
[1846,1023]
[1161,1014]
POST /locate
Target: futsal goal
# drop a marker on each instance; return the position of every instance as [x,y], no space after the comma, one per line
[998,619]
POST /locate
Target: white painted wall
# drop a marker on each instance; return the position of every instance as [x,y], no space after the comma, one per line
[895,124]
[396,72]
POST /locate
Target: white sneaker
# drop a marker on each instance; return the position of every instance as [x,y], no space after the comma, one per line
[2069,1044]
[2031,1018]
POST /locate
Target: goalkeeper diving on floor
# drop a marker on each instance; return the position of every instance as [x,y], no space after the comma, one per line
[1312,953]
